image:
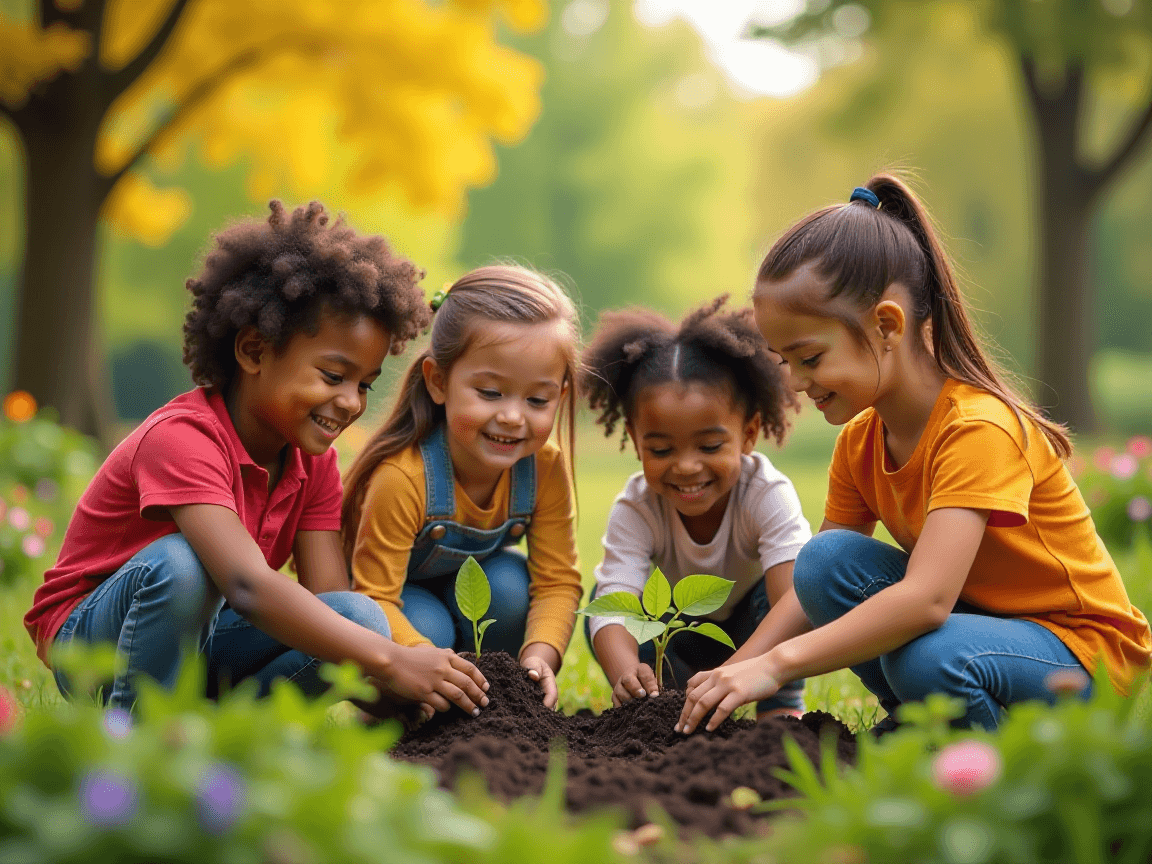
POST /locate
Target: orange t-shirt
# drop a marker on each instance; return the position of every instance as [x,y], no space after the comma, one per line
[1040,558]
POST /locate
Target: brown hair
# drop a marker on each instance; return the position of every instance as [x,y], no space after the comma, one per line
[499,292]
[277,274]
[637,348]
[859,250]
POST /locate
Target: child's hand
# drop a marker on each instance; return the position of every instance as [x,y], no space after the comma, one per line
[725,688]
[436,677]
[542,661]
[636,682]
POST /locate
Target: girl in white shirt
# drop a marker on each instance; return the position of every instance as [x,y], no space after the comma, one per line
[694,398]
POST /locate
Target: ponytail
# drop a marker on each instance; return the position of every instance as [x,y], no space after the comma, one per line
[861,248]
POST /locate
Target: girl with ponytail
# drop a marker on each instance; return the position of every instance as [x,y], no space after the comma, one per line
[1000,579]
[464,467]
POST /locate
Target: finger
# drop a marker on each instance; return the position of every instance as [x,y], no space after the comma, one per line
[438,702]
[696,680]
[548,682]
[462,665]
[704,704]
[692,696]
[469,688]
[456,695]
[632,686]
[620,695]
[427,710]
[648,680]
[727,705]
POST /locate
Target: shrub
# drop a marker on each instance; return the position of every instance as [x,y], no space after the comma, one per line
[1117,485]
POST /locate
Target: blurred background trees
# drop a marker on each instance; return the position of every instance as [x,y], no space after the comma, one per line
[632,167]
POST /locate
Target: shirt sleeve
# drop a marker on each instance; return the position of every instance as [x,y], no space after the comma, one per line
[979,465]
[554,580]
[628,548]
[780,524]
[179,461]
[322,509]
[392,516]
[845,505]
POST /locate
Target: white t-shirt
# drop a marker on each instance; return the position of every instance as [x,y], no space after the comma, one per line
[763,526]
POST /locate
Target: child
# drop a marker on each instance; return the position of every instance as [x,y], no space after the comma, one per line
[464,467]
[694,399]
[1001,578]
[208,497]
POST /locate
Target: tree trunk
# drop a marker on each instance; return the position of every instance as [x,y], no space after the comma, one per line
[55,359]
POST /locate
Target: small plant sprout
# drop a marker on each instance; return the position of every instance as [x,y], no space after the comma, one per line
[474,596]
[693,595]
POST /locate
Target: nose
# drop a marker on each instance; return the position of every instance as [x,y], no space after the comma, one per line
[510,415]
[797,382]
[687,464]
[349,398]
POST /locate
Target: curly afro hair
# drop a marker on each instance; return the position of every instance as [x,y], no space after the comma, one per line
[277,276]
[637,348]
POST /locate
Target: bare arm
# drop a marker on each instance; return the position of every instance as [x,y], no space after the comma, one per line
[290,613]
[784,620]
[619,655]
[920,602]
[320,564]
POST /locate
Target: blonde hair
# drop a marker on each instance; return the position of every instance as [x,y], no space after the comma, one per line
[503,293]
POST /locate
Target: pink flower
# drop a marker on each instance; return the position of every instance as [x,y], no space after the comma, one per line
[1124,466]
[1102,457]
[9,711]
[33,546]
[19,519]
[1067,682]
[966,767]
[1140,445]
[1139,509]
[43,526]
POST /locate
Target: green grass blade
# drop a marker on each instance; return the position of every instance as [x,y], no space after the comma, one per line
[473,595]
[707,628]
[643,630]
[618,603]
[657,594]
[701,594]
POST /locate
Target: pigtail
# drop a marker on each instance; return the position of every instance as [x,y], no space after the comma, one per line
[414,415]
[955,345]
[622,341]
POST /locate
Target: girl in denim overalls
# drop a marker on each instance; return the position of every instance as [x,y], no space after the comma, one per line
[464,467]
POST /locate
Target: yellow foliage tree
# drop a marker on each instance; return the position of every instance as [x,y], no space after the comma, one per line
[414,91]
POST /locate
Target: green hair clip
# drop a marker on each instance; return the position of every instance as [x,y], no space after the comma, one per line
[440,296]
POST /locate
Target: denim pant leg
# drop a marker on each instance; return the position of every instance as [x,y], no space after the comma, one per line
[429,615]
[240,650]
[156,609]
[838,570]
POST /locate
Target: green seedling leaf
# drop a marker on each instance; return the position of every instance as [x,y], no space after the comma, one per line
[657,594]
[642,630]
[473,595]
[480,632]
[676,624]
[618,603]
[707,628]
[701,593]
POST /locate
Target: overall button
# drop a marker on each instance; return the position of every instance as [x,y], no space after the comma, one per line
[438,532]
[516,530]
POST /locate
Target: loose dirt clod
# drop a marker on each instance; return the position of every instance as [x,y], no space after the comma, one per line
[627,757]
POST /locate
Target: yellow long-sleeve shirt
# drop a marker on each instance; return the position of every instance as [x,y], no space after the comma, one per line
[393,514]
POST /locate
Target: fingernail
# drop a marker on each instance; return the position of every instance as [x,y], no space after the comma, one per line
[475,712]
[484,702]
[486,686]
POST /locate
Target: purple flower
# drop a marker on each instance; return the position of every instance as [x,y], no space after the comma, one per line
[107,799]
[117,723]
[1139,509]
[46,489]
[220,798]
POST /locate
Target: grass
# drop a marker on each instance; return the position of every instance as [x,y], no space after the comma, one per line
[601,471]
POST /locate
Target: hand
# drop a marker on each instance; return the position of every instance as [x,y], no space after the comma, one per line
[435,677]
[725,689]
[542,661]
[636,682]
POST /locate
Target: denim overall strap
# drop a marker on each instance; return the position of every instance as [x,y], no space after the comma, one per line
[439,479]
[522,494]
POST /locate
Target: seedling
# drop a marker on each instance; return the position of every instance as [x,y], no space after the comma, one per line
[693,595]
[474,596]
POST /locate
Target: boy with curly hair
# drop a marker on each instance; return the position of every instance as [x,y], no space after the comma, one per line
[207,498]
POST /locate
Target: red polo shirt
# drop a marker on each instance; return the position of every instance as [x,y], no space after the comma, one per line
[185,453]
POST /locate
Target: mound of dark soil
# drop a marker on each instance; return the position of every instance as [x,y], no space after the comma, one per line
[626,757]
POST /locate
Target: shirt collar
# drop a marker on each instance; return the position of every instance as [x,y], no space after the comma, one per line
[214,400]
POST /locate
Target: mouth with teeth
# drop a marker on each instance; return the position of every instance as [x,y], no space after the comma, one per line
[822,401]
[330,427]
[691,491]
[502,442]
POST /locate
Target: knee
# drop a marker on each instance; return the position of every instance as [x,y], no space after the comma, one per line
[359,609]
[176,571]
[508,578]
[925,665]
[817,559]
[431,618]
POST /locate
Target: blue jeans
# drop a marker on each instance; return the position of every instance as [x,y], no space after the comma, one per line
[161,606]
[988,661]
[688,653]
[430,606]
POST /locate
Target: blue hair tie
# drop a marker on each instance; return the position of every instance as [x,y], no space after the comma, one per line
[862,194]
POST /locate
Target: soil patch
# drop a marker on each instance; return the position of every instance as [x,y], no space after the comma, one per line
[626,757]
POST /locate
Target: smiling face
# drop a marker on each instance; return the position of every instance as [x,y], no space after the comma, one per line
[690,437]
[501,396]
[824,358]
[308,393]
